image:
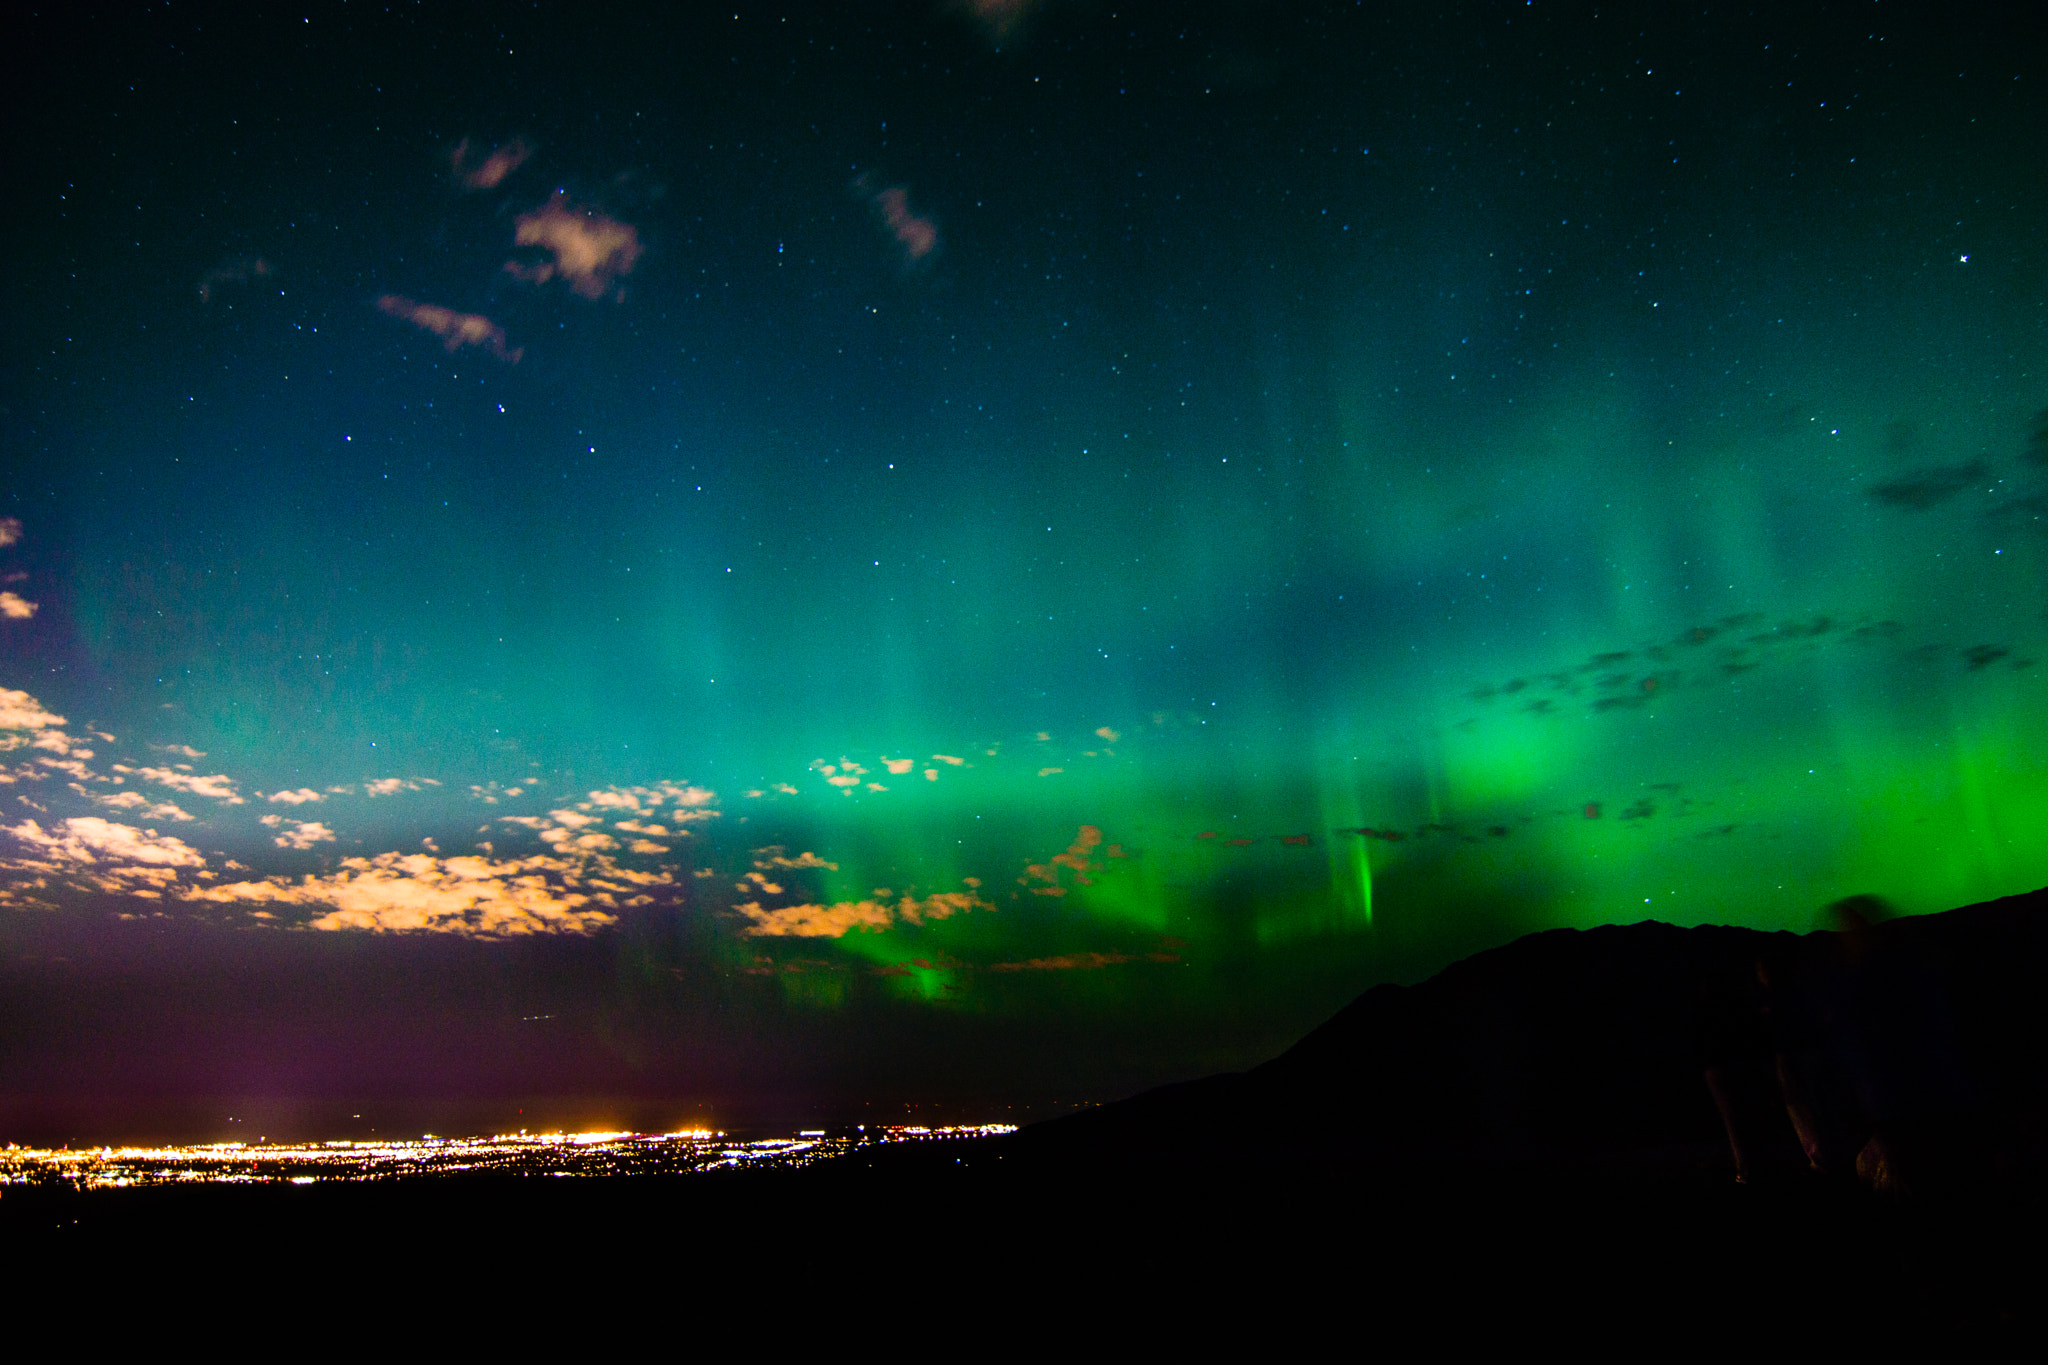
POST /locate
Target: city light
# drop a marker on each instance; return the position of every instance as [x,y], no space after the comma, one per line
[555,1154]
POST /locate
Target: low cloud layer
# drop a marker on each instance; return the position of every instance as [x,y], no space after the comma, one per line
[843,917]
[88,839]
[478,897]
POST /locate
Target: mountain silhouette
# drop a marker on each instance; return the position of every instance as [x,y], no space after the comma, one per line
[1585,1052]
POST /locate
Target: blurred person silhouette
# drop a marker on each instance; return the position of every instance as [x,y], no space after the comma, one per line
[1810,1087]
[1737,1057]
[1850,1039]
[1885,1024]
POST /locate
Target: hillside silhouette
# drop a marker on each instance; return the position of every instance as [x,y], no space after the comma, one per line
[1585,1053]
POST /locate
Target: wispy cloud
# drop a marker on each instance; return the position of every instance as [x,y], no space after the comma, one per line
[916,234]
[10,531]
[587,250]
[391,786]
[238,270]
[296,798]
[456,330]
[218,787]
[1080,962]
[1000,20]
[478,170]
[773,856]
[134,801]
[297,834]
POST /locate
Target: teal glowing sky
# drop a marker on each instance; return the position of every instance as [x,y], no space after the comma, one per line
[986,552]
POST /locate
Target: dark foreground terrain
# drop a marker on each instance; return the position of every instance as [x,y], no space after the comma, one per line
[1529,1137]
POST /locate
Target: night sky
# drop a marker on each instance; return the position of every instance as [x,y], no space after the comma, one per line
[790,563]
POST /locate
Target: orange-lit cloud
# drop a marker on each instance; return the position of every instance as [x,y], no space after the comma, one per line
[55,741]
[137,802]
[89,840]
[843,917]
[297,834]
[916,234]
[296,798]
[391,786]
[13,606]
[814,921]
[590,251]
[773,856]
[577,829]
[689,803]
[475,171]
[456,330]
[218,787]
[419,893]
[87,852]
[1076,855]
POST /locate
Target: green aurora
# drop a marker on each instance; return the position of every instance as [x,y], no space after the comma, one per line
[1122,538]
